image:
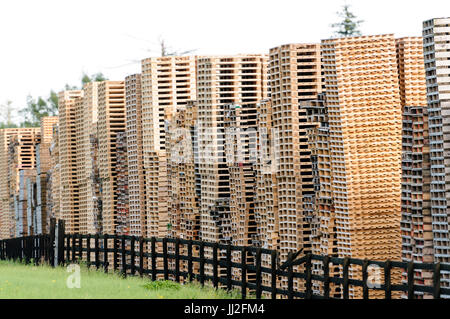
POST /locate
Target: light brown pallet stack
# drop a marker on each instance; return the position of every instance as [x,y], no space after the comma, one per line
[43,166]
[295,76]
[266,206]
[123,216]
[21,164]
[436,37]
[416,223]
[323,234]
[183,177]
[30,186]
[47,123]
[266,203]
[224,83]
[167,83]
[136,175]
[68,101]
[111,120]
[5,212]
[54,180]
[86,119]
[96,186]
[365,128]
[178,148]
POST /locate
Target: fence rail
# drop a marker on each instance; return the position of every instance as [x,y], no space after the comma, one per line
[254,271]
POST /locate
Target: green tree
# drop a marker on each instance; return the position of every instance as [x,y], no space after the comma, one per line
[349,26]
[7,110]
[98,77]
[40,107]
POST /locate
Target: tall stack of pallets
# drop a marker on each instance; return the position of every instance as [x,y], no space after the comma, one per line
[266,201]
[43,166]
[68,102]
[54,180]
[225,83]
[183,175]
[436,36]
[416,223]
[167,83]
[21,164]
[6,210]
[364,111]
[136,176]
[323,234]
[87,112]
[96,184]
[295,76]
[111,121]
[123,208]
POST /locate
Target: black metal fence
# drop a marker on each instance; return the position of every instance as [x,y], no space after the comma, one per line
[254,271]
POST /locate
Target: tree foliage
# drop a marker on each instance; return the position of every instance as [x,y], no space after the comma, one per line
[40,107]
[349,25]
[7,110]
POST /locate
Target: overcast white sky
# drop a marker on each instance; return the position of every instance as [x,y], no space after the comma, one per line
[48,43]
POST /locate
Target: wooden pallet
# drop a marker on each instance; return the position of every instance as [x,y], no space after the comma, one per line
[136,177]
[111,120]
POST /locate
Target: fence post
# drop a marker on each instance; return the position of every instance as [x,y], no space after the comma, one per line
[177,260]
[133,255]
[411,280]
[437,281]
[190,272]
[290,277]
[105,253]
[61,234]
[141,256]
[229,270]
[326,277]
[202,263]
[365,277]
[154,272]
[274,274]
[88,250]
[96,252]
[51,245]
[165,261]
[244,272]
[73,246]
[345,271]
[124,260]
[215,266]
[308,276]
[80,247]
[115,244]
[387,279]
[68,249]
[258,273]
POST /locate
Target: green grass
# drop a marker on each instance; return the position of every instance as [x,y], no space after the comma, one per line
[19,281]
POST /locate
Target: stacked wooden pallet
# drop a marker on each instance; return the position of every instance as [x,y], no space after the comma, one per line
[53,180]
[68,102]
[167,84]
[136,176]
[416,222]
[21,164]
[365,117]
[183,175]
[123,221]
[96,186]
[86,126]
[43,166]
[111,121]
[6,205]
